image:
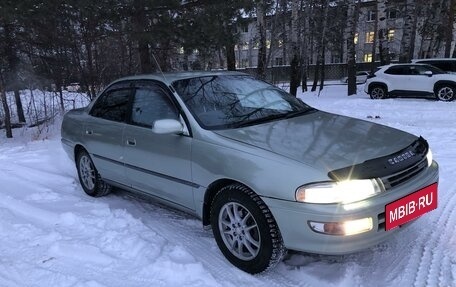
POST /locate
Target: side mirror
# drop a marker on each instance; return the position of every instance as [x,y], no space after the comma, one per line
[167,126]
[428,73]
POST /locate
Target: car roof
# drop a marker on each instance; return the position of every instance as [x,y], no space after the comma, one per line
[170,77]
[403,64]
[434,59]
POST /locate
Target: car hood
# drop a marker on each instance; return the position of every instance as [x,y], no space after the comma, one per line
[322,140]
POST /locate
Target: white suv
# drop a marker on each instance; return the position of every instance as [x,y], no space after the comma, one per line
[411,80]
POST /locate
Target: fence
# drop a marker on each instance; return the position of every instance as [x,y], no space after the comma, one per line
[332,71]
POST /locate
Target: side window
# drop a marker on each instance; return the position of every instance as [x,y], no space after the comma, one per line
[452,67]
[421,70]
[413,70]
[446,66]
[151,103]
[395,70]
[112,105]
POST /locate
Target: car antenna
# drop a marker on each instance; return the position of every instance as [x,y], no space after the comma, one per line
[158,65]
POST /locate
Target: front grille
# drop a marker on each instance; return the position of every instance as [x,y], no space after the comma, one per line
[381,222]
[391,181]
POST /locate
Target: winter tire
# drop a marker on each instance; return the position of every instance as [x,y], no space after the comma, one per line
[378,92]
[245,230]
[89,177]
[445,93]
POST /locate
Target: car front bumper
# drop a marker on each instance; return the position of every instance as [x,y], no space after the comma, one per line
[293,219]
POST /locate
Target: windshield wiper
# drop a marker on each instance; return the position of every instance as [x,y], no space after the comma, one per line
[299,113]
[260,120]
[274,117]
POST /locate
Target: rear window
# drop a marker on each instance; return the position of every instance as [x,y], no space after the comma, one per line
[445,65]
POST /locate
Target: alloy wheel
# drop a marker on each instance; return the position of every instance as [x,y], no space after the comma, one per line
[445,94]
[87,172]
[378,93]
[239,231]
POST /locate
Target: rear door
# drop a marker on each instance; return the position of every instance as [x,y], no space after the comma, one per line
[399,79]
[421,81]
[103,131]
[157,164]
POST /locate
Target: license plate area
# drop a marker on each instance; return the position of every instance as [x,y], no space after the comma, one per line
[410,207]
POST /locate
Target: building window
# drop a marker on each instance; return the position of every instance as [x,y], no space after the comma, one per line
[371,15]
[368,57]
[355,40]
[391,14]
[390,35]
[244,28]
[370,37]
[279,61]
[244,63]
[245,46]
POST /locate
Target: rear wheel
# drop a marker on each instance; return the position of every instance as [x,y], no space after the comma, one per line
[378,92]
[445,93]
[245,229]
[89,177]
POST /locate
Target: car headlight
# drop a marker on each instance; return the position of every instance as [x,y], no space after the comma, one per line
[339,192]
[429,157]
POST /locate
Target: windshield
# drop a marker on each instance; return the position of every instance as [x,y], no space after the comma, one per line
[230,101]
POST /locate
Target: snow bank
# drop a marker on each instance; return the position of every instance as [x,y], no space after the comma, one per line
[52,234]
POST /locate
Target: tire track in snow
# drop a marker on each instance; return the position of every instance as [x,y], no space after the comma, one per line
[417,261]
[440,260]
[424,264]
[213,260]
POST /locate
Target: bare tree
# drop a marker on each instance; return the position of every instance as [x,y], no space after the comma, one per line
[295,57]
[261,13]
[409,32]
[305,39]
[7,116]
[11,78]
[321,45]
[352,22]
[449,26]
[382,33]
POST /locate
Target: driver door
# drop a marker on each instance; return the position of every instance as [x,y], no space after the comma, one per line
[157,164]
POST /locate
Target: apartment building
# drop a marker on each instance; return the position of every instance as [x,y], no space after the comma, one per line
[426,44]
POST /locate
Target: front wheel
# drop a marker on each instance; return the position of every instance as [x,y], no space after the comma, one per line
[245,229]
[377,92]
[89,177]
[445,93]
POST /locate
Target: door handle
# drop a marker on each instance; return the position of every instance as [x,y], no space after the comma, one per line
[131,142]
[89,132]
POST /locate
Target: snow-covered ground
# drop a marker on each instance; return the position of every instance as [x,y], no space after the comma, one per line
[52,234]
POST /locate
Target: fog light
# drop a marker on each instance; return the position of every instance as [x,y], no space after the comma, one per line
[349,227]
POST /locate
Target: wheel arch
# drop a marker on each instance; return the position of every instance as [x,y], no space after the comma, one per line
[211,192]
[443,83]
[373,84]
[77,149]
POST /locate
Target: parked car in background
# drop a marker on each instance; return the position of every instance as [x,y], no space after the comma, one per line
[445,64]
[73,87]
[361,77]
[411,80]
[264,170]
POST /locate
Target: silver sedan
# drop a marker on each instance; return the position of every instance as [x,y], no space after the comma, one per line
[260,167]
